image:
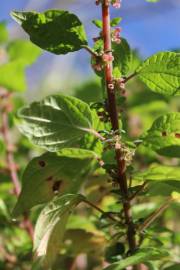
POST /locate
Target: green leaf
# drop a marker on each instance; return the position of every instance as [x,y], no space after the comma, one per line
[140,256]
[50,227]
[89,141]
[4,213]
[2,146]
[50,174]
[24,50]
[12,76]
[115,21]
[3,33]
[163,188]
[56,31]
[163,180]
[151,266]
[97,23]
[152,1]
[56,122]
[158,173]
[173,267]
[122,58]
[161,73]
[164,135]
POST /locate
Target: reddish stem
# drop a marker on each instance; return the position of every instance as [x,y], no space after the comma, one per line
[12,167]
[112,108]
[9,153]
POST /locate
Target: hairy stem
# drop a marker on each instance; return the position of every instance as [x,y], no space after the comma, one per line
[112,108]
[12,167]
[101,211]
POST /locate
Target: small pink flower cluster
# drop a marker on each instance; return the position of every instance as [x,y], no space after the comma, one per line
[107,58]
[98,62]
[120,85]
[116,3]
[116,35]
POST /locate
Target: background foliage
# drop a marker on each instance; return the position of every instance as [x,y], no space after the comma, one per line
[143,108]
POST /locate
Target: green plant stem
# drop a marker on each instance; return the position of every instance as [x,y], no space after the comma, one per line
[89,50]
[112,108]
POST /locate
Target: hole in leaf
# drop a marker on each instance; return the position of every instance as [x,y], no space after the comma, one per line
[42,163]
[56,186]
[50,178]
[164,133]
[177,135]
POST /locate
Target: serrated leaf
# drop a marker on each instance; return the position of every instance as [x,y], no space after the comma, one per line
[50,227]
[122,57]
[158,173]
[3,33]
[164,135]
[161,73]
[12,76]
[56,122]
[98,23]
[24,50]
[141,256]
[115,21]
[50,174]
[56,31]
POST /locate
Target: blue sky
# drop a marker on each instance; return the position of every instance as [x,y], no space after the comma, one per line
[148,28]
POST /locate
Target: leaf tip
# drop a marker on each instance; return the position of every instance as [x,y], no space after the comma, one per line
[17,16]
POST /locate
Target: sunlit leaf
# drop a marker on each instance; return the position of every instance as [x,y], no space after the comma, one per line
[56,122]
[50,227]
[56,31]
[97,23]
[115,21]
[158,172]
[161,73]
